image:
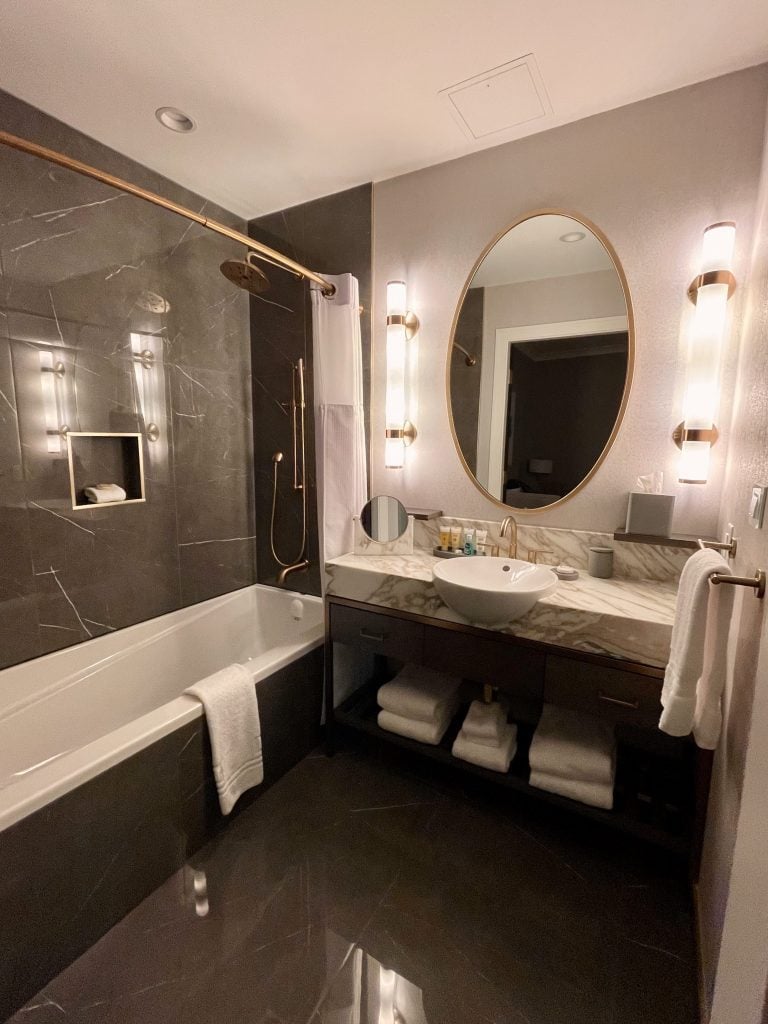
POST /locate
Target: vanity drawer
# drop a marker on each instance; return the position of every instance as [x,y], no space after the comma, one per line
[599,690]
[514,670]
[381,634]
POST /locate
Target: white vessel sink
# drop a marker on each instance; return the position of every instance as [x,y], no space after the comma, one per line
[492,591]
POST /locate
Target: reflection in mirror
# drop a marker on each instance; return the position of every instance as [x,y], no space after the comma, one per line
[384,518]
[546,321]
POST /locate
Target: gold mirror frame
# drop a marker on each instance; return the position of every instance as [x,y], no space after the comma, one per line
[547,211]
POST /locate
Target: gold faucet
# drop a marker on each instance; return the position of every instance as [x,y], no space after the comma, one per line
[284,573]
[508,523]
[533,554]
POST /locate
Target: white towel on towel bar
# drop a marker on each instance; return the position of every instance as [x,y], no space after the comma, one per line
[681,691]
[232,713]
[708,718]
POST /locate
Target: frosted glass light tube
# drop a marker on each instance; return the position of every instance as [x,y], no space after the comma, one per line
[395,414]
[702,388]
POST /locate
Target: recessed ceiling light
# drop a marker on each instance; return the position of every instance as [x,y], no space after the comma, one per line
[573,236]
[175,119]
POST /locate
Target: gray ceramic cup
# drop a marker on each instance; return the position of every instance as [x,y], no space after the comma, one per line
[600,563]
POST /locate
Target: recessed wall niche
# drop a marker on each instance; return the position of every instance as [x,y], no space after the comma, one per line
[105,459]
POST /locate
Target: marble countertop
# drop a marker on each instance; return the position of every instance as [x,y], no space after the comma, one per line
[622,618]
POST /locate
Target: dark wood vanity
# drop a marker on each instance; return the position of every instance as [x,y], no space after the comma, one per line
[661,782]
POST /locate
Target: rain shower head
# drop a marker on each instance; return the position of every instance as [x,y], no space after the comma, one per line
[245,275]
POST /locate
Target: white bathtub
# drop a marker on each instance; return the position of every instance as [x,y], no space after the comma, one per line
[68,716]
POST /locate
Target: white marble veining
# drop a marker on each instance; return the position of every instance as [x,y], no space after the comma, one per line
[631,561]
[365,545]
[624,618]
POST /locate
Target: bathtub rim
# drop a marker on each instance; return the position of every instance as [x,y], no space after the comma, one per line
[72,768]
[191,613]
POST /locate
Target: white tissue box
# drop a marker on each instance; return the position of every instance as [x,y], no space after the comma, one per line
[650,514]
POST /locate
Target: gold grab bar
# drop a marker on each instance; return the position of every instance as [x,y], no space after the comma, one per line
[757,582]
[262,251]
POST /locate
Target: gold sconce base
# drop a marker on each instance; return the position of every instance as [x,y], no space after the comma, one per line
[711,277]
[408,320]
[680,434]
[407,433]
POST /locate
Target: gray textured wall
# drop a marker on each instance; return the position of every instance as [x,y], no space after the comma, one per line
[652,176]
[734,877]
[331,235]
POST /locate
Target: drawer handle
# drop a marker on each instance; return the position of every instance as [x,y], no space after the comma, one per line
[378,637]
[633,704]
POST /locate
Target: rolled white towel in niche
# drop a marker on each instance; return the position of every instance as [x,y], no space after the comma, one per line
[570,745]
[98,494]
[420,694]
[424,732]
[496,758]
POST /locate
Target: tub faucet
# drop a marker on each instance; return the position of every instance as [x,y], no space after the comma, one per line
[284,573]
[509,524]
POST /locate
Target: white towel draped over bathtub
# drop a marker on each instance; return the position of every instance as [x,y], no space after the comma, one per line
[232,713]
[342,476]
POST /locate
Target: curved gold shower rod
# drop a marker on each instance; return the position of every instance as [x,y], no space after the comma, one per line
[263,251]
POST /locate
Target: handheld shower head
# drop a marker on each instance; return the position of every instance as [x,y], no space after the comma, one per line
[245,275]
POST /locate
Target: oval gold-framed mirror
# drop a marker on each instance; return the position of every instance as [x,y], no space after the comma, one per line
[540,361]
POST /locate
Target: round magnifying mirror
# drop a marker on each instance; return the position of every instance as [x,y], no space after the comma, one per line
[384,518]
[540,362]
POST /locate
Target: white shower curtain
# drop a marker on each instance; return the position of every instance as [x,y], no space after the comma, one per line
[342,477]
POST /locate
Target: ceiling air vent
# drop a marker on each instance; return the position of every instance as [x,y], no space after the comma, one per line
[500,99]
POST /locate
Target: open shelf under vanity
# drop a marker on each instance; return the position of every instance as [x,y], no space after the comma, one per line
[658,798]
[649,820]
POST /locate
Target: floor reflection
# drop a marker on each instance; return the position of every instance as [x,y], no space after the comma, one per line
[361,990]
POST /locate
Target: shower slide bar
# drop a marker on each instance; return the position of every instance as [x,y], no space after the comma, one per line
[257,248]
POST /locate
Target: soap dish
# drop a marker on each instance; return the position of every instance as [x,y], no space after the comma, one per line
[565,572]
[447,553]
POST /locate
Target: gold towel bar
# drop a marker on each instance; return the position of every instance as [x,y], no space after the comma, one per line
[757,582]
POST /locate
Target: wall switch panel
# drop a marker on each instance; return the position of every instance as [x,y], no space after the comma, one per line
[757,506]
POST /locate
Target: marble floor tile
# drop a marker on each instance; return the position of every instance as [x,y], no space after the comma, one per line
[352,883]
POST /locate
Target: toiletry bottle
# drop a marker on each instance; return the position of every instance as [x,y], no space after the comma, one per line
[456,538]
[481,538]
[469,541]
[445,538]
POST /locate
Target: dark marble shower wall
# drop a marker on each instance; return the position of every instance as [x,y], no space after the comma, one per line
[331,235]
[87,276]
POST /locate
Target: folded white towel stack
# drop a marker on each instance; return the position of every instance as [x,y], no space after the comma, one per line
[418,703]
[100,493]
[695,675]
[486,739]
[575,756]
[232,712]
[485,723]
[424,732]
[496,758]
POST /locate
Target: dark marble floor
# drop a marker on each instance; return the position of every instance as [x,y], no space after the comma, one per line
[353,884]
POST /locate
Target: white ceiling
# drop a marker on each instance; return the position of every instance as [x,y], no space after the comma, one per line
[533,250]
[298,100]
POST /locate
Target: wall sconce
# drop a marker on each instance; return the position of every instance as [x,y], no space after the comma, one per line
[52,373]
[709,291]
[402,326]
